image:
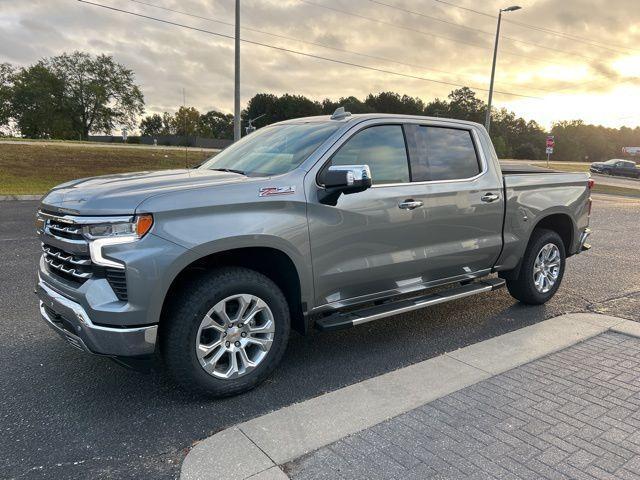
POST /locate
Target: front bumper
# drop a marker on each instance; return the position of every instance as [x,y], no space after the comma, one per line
[70,320]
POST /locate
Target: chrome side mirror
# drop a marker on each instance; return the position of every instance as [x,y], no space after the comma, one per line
[347,179]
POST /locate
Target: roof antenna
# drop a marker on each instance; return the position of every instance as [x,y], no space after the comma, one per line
[340,114]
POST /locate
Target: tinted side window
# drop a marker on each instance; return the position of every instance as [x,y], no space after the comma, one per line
[382,148]
[444,154]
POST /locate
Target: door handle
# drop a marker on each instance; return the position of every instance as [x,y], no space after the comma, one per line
[490,197]
[410,204]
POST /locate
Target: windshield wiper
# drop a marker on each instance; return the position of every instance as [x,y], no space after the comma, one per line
[231,170]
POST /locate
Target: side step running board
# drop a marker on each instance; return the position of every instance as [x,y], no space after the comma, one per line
[339,321]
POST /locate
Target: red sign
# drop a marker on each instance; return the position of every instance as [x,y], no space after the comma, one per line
[550,141]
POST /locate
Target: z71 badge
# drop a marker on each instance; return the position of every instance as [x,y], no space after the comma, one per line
[273,191]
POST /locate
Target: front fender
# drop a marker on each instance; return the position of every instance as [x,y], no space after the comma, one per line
[193,255]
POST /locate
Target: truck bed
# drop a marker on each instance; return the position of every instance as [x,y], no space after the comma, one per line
[532,193]
[521,168]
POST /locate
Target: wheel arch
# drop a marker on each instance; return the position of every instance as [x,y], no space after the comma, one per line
[562,224]
[273,261]
[556,221]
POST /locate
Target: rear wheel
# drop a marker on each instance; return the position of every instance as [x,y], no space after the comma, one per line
[225,332]
[542,269]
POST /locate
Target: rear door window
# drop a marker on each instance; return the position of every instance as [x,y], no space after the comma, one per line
[443,154]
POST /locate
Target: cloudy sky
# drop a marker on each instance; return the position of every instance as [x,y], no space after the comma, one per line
[577,58]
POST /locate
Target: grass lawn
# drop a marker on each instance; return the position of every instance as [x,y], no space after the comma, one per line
[34,169]
[563,167]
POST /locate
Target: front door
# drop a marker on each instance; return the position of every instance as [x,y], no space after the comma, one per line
[369,242]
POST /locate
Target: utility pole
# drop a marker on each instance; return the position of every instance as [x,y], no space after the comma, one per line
[237,131]
[487,121]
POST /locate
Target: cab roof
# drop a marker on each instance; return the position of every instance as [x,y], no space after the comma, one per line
[361,117]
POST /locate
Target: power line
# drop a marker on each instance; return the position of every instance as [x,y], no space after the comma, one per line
[296,52]
[548,31]
[422,32]
[329,47]
[574,38]
[478,30]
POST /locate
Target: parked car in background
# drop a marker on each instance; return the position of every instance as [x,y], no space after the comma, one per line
[616,166]
[330,222]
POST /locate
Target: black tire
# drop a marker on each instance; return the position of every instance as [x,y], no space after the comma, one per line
[523,287]
[189,306]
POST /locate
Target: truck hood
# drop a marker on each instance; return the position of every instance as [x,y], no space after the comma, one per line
[120,194]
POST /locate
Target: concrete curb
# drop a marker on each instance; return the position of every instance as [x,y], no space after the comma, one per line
[261,444]
[4,198]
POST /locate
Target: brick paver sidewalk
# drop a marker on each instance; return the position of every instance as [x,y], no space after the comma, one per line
[572,414]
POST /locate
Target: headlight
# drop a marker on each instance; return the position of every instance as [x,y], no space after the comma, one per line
[115,233]
[132,230]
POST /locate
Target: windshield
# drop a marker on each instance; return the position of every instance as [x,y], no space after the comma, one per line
[611,162]
[272,150]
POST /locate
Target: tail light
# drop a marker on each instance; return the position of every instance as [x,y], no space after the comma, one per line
[591,184]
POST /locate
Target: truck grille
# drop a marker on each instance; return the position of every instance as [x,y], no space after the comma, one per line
[65,230]
[66,253]
[74,268]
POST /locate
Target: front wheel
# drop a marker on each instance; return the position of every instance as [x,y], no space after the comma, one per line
[542,269]
[225,332]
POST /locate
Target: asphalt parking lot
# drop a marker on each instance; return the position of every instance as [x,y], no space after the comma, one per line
[67,415]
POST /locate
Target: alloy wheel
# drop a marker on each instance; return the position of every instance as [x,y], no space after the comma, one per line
[546,268]
[235,336]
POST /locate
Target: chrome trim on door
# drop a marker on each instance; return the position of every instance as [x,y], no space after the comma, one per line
[479,150]
[410,204]
[360,126]
[490,197]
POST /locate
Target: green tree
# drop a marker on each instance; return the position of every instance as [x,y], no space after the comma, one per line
[151,125]
[167,124]
[185,122]
[526,151]
[214,124]
[296,106]
[464,105]
[99,94]
[7,75]
[262,105]
[37,104]
[350,104]
[390,102]
[276,109]
[437,108]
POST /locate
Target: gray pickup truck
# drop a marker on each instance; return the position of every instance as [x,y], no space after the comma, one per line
[329,222]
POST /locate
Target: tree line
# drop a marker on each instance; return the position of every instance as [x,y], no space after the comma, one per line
[71,96]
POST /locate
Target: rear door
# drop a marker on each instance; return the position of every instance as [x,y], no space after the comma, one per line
[462,196]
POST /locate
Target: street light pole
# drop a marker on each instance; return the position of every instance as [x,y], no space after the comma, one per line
[487,121]
[237,131]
